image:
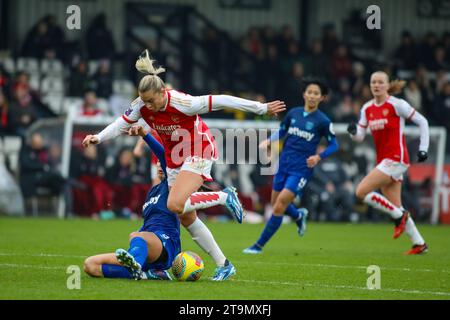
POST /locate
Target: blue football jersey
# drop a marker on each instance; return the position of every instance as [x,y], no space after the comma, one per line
[157,217]
[303,132]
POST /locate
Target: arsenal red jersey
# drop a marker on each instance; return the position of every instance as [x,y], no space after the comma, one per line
[182,135]
[387,123]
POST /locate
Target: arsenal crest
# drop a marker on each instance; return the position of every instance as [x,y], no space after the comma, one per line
[175,119]
[385,112]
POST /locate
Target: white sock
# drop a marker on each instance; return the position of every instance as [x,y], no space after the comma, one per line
[203,200]
[378,201]
[413,233]
[205,240]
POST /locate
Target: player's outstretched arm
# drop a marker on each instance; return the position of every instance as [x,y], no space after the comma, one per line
[110,132]
[205,104]
[220,102]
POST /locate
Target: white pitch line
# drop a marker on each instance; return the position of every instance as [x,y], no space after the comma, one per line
[12,265]
[50,255]
[299,284]
[340,266]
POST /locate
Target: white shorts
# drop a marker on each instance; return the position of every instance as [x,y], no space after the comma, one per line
[194,164]
[393,169]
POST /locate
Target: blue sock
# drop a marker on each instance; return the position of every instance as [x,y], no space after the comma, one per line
[115,271]
[139,250]
[271,227]
[292,212]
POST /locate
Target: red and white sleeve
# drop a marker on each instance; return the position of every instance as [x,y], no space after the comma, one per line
[123,123]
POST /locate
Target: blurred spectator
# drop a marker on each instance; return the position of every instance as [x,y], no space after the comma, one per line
[441,106]
[4,81]
[252,43]
[22,81]
[335,188]
[427,48]
[56,34]
[441,79]
[346,111]
[413,95]
[268,36]
[99,40]
[103,80]
[4,115]
[45,39]
[36,170]
[23,111]
[317,64]
[212,46]
[284,40]
[341,64]
[92,195]
[79,81]
[330,40]
[293,55]
[120,176]
[358,79]
[446,44]
[270,85]
[292,88]
[90,107]
[363,96]
[439,60]
[406,55]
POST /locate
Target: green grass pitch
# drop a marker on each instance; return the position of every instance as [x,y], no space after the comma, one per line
[330,262]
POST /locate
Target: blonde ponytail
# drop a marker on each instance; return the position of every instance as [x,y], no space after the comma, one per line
[396,86]
[145,65]
[151,81]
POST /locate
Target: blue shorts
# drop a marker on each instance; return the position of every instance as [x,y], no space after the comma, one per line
[171,245]
[294,183]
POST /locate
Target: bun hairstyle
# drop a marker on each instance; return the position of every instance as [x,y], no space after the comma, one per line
[151,81]
[324,89]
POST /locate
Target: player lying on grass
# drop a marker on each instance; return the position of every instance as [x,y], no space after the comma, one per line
[200,233]
[385,116]
[154,246]
[303,128]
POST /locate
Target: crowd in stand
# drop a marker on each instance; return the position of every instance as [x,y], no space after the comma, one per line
[273,61]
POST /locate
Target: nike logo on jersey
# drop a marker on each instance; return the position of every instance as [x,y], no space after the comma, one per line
[153,200]
[308,136]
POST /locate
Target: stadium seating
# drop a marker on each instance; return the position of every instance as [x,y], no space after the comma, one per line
[54,101]
[11,148]
[9,64]
[52,68]
[30,65]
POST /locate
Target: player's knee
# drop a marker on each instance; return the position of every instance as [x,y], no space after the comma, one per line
[175,206]
[360,193]
[133,235]
[88,267]
[279,208]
